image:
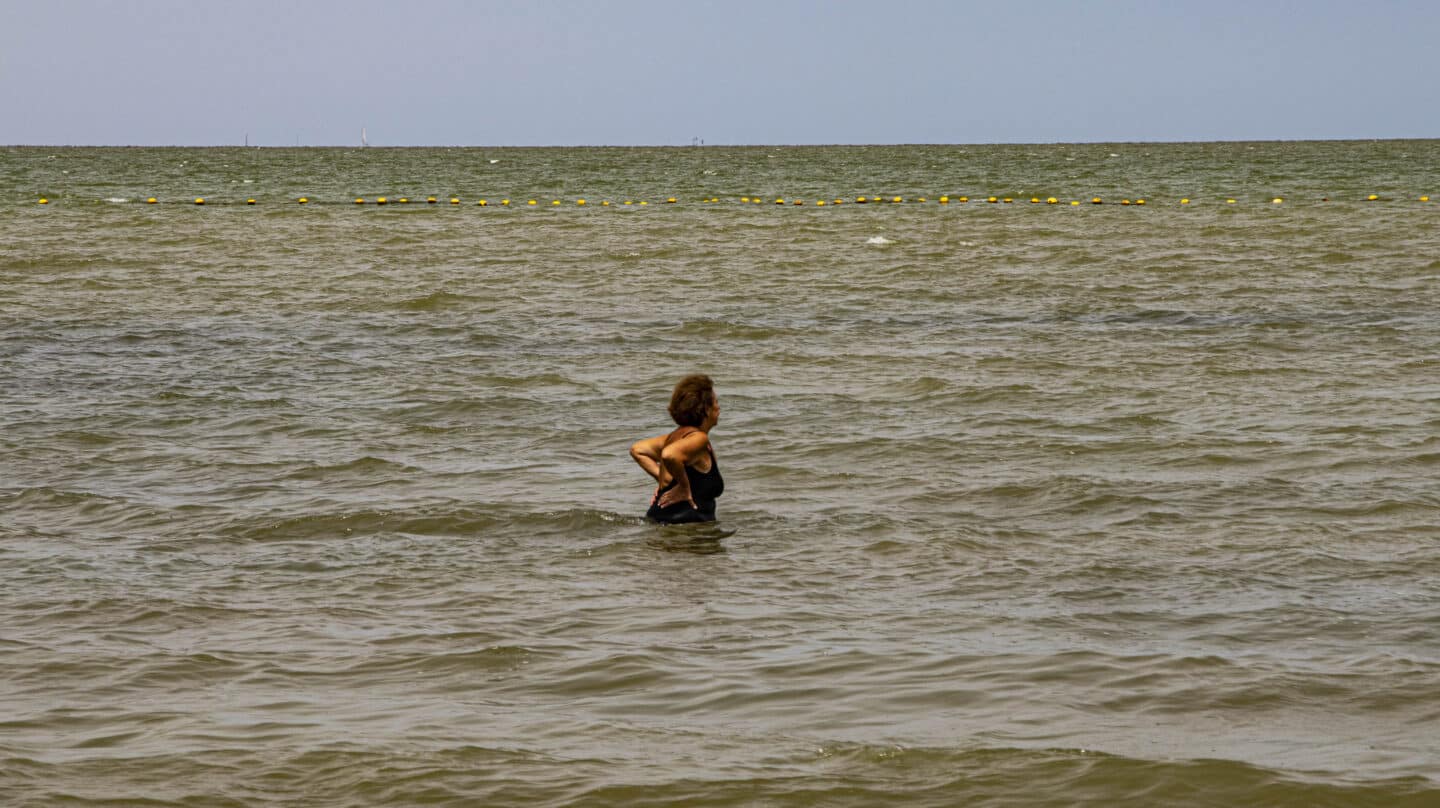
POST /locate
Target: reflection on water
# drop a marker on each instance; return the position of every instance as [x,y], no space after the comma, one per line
[700,539]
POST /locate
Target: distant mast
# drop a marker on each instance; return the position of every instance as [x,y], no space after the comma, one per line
[364,141]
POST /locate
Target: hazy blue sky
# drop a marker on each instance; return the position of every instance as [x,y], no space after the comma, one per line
[564,72]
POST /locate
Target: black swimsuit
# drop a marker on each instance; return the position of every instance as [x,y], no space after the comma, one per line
[704,488]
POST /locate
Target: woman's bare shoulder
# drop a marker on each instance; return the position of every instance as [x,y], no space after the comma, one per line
[687,439]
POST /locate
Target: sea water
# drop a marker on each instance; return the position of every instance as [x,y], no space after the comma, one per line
[1033,504]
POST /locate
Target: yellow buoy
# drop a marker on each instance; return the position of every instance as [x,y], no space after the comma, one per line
[1095,201]
[152,200]
[1125,202]
[839,201]
[896,199]
[1424,199]
[1139,201]
[1277,200]
[643,203]
[303,200]
[1229,201]
[380,200]
[1075,203]
[359,201]
[249,201]
[860,200]
[745,199]
[505,202]
[1007,200]
[554,203]
[1051,201]
[944,200]
[579,201]
[404,200]
[1185,201]
[670,201]
[454,200]
[920,199]
[964,199]
[482,203]
[992,200]
[1034,200]
[820,203]
[1372,198]
[430,200]
[199,200]
[44,201]
[799,202]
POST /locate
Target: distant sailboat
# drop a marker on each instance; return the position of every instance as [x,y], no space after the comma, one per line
[364,141]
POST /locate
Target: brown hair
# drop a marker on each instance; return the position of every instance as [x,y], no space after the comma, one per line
[691,401]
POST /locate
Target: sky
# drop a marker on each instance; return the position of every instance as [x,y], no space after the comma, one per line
[729,72]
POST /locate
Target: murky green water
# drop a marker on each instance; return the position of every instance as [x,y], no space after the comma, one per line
[1034,504]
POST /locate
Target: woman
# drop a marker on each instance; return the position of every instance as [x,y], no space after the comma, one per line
[683,462]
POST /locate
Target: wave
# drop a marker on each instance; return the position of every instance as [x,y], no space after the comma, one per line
[367,467]
[743,772]
[50,511]
[436,301]
[432,520]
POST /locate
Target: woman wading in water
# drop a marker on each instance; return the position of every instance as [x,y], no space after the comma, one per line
[683,462]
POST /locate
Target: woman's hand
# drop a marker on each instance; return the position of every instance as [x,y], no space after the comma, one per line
[674,496]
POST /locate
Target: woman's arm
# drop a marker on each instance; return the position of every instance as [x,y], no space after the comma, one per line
[647,453]
[673,459]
